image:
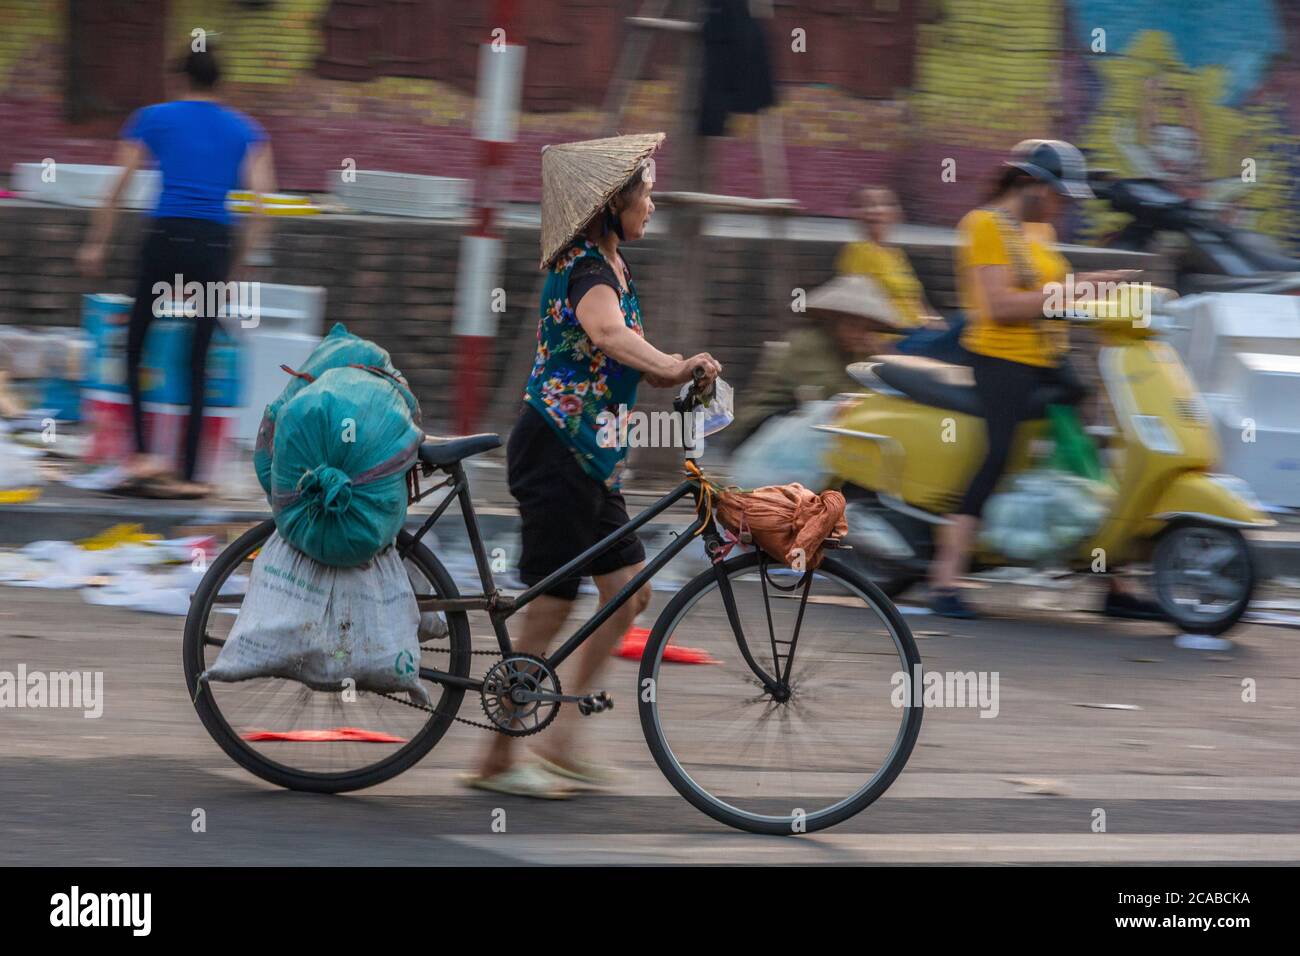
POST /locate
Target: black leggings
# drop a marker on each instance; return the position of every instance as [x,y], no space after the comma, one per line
[1005,389]
[198,250]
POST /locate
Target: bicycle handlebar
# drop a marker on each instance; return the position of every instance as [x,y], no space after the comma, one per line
[693,396]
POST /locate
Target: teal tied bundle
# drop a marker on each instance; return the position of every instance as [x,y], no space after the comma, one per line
[339,349]
[343,445]
[326,488]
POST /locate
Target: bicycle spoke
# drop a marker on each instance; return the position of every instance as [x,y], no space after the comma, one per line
[798,622]
[286,731]
[821,739]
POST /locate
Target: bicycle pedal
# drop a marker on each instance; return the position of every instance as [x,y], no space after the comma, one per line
[595,704]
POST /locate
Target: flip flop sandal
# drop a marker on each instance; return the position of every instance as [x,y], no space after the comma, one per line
[169,489]
[133,487]
[525,780]
[587,776]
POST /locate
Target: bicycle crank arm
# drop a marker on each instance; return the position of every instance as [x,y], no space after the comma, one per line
[587,703]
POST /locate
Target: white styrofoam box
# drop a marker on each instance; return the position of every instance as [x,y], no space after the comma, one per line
[1211,327]
[288,308]
[1265,386]
[77,184]
[1270,463]
[25,351]
[265,350]
[405,194]
[67,352]
[267,305]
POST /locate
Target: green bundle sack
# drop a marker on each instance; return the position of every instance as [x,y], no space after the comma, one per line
[339,349]
[1075,452]
[343,446]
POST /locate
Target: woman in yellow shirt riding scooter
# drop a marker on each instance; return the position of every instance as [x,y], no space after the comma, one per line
[1006,268]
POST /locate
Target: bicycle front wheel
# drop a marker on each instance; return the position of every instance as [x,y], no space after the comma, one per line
[802,716]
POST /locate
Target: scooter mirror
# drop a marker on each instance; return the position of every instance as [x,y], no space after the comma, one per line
[861,372]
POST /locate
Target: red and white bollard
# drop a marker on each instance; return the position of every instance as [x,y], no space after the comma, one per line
[501,73]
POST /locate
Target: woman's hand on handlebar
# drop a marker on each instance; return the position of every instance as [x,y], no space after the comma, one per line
[709,367]
[683,370]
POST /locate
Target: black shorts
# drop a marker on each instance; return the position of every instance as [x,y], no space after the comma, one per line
[564,510]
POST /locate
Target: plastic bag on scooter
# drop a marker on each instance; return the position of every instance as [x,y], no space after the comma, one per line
[320,626]
[1044,515]
[1074,451]
[787,449]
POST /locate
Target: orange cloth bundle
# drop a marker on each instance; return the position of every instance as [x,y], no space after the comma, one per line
[785,520]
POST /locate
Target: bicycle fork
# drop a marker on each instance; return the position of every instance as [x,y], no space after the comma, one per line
[782,662]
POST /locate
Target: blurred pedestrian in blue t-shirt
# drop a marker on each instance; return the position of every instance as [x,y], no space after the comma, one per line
[204,150]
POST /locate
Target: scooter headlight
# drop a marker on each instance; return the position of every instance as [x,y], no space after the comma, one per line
[1156,435]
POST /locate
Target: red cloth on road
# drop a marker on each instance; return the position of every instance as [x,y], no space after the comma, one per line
[334,735]
[632,646]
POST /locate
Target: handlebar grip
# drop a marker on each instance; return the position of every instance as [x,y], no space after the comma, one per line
[695,393]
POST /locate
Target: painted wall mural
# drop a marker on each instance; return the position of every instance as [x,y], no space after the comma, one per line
[1178,102]
[1186,90]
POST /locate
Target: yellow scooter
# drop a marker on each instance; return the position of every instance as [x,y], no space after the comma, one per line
[905,450]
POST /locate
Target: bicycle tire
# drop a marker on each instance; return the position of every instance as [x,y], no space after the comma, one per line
[293,778]
[719,809]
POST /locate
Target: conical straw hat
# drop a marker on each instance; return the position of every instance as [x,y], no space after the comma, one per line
[579,178]
[857,296]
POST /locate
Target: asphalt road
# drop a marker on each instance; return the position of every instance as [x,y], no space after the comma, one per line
[1196,774]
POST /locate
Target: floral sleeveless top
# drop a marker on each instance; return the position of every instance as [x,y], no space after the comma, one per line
[573,382]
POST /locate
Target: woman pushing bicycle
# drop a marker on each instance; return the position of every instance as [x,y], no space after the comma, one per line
[592,353]
[805,713]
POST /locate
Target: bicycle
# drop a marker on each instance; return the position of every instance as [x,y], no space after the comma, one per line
[854,672]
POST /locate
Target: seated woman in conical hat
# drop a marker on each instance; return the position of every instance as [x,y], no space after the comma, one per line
[846,320]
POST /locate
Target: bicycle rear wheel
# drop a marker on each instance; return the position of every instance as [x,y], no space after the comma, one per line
[801,721]
[303,739]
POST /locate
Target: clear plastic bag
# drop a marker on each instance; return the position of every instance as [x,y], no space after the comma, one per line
[1043,515]
[787,449]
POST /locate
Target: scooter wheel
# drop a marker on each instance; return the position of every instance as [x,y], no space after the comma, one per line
[1204,576]
[892,581]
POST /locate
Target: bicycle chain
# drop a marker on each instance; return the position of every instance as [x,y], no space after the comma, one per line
[442,713]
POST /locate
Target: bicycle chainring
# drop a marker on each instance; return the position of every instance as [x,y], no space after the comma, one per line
[526,672]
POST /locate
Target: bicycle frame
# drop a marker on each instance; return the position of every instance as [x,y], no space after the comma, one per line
[501,606]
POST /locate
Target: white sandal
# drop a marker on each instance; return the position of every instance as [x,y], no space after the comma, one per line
[588,776]
[524,780]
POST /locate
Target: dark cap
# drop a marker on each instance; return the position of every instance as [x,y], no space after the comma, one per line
[1055,162]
